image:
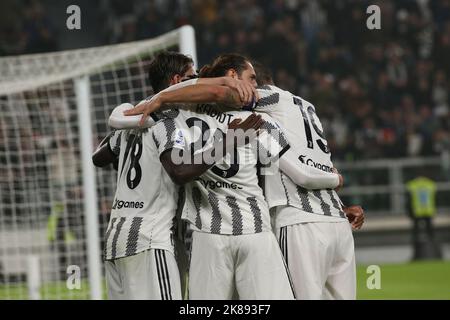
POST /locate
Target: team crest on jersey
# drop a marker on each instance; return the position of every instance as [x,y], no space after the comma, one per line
[179,138]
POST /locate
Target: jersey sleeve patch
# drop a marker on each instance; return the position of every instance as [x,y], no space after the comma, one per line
[167,136]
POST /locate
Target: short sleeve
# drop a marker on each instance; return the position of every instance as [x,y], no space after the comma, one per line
[269,98]
[167,135]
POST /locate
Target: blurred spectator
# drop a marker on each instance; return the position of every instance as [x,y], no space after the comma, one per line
[387,89]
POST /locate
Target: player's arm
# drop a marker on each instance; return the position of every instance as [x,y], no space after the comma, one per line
[126,116]
[247,92]
[182,173]
[105,153]
[118,120]
[307,176]
[185,97]
[224,91]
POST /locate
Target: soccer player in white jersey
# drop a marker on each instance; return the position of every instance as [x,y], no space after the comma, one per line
[296,208]
[228,212]
[139,249]
[311,225]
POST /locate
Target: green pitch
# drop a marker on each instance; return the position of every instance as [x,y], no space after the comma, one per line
[424,280]
[418,280]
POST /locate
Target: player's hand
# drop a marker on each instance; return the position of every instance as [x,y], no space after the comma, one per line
[144,108]
[249,129]
[355,215]
[247,92]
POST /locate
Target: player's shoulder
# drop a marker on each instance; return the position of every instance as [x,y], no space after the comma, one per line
[270,90]
[304,102]
[271,95]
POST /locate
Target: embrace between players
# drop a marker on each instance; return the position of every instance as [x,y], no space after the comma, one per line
[260,219]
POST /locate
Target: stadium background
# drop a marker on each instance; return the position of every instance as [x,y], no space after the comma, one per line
[382,96]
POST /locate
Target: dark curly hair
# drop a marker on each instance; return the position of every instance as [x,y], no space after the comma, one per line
[164,66]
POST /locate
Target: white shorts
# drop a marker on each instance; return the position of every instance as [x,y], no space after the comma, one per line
[321,259]
[149,275]
[250,265]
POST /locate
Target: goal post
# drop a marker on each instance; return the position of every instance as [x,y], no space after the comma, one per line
[83,96]
[54,205]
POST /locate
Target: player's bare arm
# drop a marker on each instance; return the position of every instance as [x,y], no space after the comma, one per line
[184,173]
[103,156]
[245,89]
[200,93]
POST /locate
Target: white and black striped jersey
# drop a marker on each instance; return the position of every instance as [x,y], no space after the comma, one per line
[226,199]
[145,200]
[303,129]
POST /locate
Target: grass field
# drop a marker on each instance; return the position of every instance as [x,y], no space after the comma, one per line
[424,280]
[419,280]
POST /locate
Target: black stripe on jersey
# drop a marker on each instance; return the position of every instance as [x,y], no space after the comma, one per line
[170,113]
[169,124]
[325,206]
[133,236]
[108,233]
[264,87]
[162,288]
[283,243]
[216,219]
[166,272]
[116,237]
[284,251]
[276,133]
[336,203]
[256,213]
[197,198]
[269,100]
[285,189]
[285,149]
[155,140]
[154,117]
[280,241]
[303,194]
[236,215]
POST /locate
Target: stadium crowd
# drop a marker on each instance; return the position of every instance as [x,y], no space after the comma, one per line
[379,93]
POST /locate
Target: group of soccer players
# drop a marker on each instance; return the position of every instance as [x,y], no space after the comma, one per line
[217,202]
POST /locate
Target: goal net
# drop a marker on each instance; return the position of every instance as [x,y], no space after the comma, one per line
[54,206]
